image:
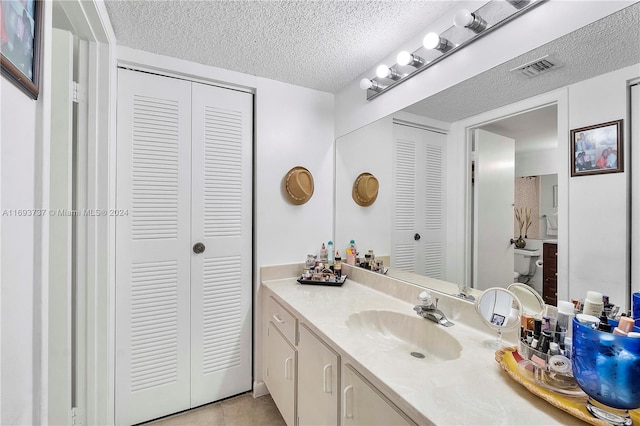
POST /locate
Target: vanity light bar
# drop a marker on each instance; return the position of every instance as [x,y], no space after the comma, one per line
[468,27]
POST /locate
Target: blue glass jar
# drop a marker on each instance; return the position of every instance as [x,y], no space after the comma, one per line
[607,368]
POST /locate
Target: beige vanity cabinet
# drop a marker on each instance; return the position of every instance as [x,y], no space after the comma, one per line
[363,404]
[280,358]
[318,375]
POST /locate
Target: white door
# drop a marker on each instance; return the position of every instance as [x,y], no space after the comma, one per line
[221,221]
[493,210]
[183,316]
[153,247]
[419,219]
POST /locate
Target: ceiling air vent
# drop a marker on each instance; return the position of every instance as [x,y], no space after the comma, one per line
[537,66]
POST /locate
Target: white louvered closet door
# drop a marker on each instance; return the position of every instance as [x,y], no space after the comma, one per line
[221,220]
[419,208]
[152,247]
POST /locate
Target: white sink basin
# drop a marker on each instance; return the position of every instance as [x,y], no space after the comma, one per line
[393,331]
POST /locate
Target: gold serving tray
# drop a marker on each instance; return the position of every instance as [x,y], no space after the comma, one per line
[577,407]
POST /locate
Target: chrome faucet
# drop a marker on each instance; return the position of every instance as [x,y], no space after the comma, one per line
[464,293]
[430,311]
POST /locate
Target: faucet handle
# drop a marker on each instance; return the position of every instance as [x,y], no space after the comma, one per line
[425,298]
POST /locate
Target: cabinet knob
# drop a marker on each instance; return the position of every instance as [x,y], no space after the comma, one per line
[198,248]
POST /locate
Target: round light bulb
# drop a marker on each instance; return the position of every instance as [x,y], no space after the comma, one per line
[383,71]
[431,41]
[404,58]
[463,18]
[365,84]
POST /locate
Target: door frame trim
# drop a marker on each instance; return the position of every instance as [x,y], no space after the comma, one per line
[459,174]
[91,23]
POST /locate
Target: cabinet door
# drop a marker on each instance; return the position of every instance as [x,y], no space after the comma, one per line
[317,381]
[362,404]
[280,377]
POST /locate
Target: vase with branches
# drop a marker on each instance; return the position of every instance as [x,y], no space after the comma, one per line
[524,219]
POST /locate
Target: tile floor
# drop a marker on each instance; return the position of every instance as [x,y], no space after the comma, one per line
[241,410]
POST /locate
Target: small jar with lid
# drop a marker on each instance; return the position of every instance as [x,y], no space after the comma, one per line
[593,304]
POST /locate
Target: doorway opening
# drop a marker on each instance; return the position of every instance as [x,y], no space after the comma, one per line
[513,196]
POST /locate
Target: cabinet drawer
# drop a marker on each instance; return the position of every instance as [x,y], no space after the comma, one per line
[282,319]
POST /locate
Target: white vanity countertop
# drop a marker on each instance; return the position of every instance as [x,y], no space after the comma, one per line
[471,389]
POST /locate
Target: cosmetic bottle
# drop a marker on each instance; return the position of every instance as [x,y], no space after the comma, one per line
[545,341]
[625,325]
[331,253]
[568,346]
[593,304]
[337,267]
[604,323]
[551,312]
[537,327]
[323,254]
[352,252]
[565,317]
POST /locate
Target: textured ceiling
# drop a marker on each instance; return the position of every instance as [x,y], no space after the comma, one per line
[603,46]
[323,45]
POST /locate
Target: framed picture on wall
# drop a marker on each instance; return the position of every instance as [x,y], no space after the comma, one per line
[597,149]
[20,42]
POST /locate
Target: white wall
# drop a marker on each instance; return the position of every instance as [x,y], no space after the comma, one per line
[515,38]
[598,229]
[18,255]
[23,246]
[369,149]
[536,163]
[293,127]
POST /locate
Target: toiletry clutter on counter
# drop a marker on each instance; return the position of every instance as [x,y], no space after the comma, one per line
[576,349]
[551,333]
[327,264]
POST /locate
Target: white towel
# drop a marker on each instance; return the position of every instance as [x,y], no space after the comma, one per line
[552,224]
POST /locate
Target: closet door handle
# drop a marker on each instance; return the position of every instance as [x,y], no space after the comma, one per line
[278,319]
[198,248]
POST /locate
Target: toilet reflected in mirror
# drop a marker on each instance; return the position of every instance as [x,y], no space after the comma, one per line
[500,310]
[524,263]
[530,299]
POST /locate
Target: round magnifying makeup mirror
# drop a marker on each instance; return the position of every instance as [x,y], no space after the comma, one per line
[532,303]
[499,309]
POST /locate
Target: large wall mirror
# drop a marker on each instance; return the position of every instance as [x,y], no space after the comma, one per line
[452,179]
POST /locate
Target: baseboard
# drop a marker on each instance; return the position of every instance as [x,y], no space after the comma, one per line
[259,389]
